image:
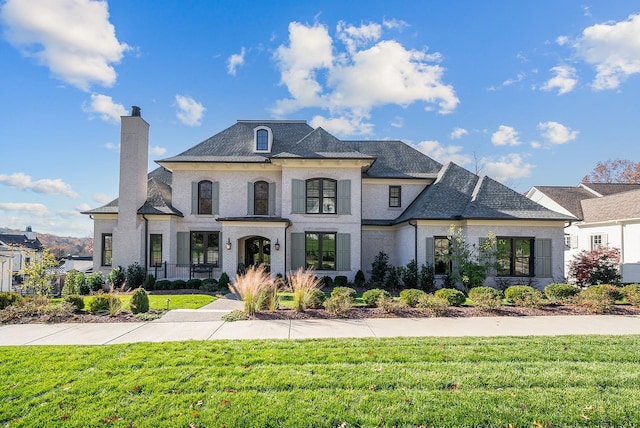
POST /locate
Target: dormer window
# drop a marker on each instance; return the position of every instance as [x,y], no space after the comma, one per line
[262,139]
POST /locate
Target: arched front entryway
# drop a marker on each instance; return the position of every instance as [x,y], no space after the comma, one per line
[257,251]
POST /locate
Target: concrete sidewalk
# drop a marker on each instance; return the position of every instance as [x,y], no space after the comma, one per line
[164,330]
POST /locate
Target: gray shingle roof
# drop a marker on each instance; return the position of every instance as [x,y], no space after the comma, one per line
[568,197]
[460,194]
[395,159]
[21,240]
[321,144]
[617,206]
[606,189]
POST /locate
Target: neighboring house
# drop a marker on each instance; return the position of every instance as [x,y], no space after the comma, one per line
[6,267]
[604,214]
[287,195]
[22,249]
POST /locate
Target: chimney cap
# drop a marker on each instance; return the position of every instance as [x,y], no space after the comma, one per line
[135,111]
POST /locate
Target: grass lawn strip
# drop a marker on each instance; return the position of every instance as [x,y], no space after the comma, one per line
[570,380]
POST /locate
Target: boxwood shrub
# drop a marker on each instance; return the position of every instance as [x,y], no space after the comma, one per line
[560,292]
[194,283]
[523,295]
[371,297]
[178,284]
[597,299]
[411,296]
[76,300]
[487,298]
[162,284]
[139,302]
[632,294]
[9,298]
[452,296]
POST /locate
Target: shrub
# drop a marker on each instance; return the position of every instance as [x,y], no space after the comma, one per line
[235,315]
[632,294]
[389,304]
[411,296]
[135,276]
[560,292]
[194,283]
[81,283]
[163,284]
[339,304]
[409,274]
[326,281]
[379,267]
[340,281]
[523,295]
[249,286]
[105,303]
[95,281]
[139,302]
[76,300]
[359,279]
[37,306]
[427,278]
[302,283]
[392,279]
[452,296]
[599,266]
[223,282]
[344,291]
[316,299]
[70,283]
[434,305]
[149,282]
[596,299]
[178,284]
[370,297]
[116,277]
[209,284]
[487,298]
[9,298]
[473,274]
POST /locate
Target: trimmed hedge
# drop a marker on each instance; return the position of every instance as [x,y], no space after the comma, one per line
[523,295]
[371,297]
[560,292]
[411,296]
[452,296]
[486,297]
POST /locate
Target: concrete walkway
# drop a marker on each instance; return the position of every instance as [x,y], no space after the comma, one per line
[206,324]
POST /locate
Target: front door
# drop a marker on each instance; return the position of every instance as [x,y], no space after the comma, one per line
[258,251]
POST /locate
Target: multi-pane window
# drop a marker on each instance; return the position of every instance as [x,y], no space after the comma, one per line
[321,196]
[155,249]
[395,194]
[597,241]
[442,255]
[320,251]
[205,197]
[514,256]
[261,197]
[205,248]
[107,249]
[262,140]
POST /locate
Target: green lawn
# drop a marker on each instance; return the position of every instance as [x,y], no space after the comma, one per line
[551,381]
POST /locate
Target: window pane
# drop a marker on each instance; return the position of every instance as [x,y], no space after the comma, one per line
[197,247]
[503,256]
[212,252]
[522,257]
[156,250]
[312,250]
[313,188]
[328,188]
[328,251]
[441,256]
[313,206]
[205,197]
[262,137]
[329,206]
[261,198]
[107,249]
[394,196]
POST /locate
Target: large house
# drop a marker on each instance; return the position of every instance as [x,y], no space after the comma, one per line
[287,195]
[17,250]
[604,214]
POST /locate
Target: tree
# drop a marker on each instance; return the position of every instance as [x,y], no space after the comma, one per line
[599,266]
[40,274]
[615,171]
[471,262]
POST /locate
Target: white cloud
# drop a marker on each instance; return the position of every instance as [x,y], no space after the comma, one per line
[102,198]
[370,73]
[158,151]
[235,61]
[73,38]
[83,207]
[342,126]
[506,168]
[38,210]
[535,145]
[556,133]
[562,40]
[111,146]
[564,79]
[189,110]
[397,24]
[613,49]
[443,154]
[505,136]
[397,122]
[47,186]
[458,133]
[104,105]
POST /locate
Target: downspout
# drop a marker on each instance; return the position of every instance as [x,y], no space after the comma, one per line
[286,248]
[415,240]
[146,242]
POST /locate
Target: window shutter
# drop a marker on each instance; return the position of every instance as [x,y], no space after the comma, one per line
[272,199]
[344,197]
[297,251]
[343,251]
[183,248]
[488,258]
[430,254]
[194,197]
[250,199]
[542,252]
[605,242]
[298,196]
[215,198]
[574,241]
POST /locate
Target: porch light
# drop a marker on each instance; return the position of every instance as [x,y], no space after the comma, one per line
[228,244]
[277,245]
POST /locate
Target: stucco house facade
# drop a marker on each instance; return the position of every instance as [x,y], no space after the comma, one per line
[287,195]
[605,214]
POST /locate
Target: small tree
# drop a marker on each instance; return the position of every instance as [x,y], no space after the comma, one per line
[95,281]
[427,278]
[409,274]
[71,285]
[471,262]
[599,266]
[379,268]
[40,274]
[134,276]
[116,277]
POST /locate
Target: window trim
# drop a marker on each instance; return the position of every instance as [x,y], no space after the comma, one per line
[398,197]
[321,197]
[104,253]
[256,131]
[513,258]
[205,239]
[265,199]
[201,211]
[152,261]
[320,261]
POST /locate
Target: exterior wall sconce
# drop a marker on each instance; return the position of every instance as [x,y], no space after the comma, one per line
[228,244]
[277,245]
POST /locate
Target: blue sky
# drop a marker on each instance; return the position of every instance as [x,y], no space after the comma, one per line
[529,93]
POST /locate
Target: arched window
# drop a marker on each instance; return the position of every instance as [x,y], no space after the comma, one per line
[262,140]
[261,198]
[205,197]
[321,196]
